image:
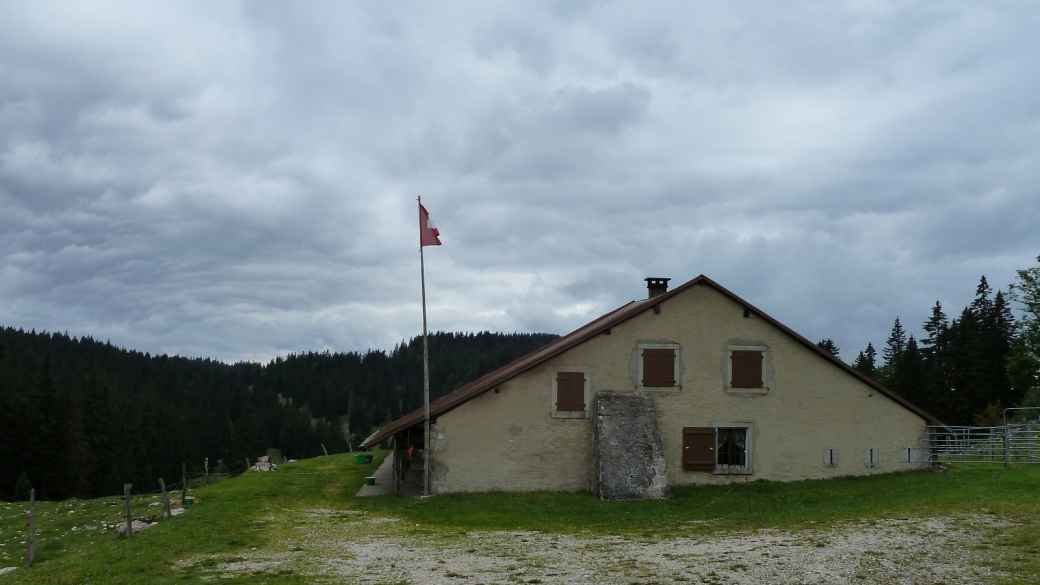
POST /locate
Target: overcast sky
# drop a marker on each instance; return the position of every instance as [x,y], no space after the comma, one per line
[238,180]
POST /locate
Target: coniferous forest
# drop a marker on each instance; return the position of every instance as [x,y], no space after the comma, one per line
[80,417]
[967,368]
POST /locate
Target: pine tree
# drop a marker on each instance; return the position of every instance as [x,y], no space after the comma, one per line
[829,346]
[936,326]
[968,391]
[982,305]
[866,360]
[936,361]
[22,488]
[908,375]
[896,344]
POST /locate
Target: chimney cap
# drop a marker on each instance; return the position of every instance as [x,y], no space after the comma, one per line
[656,286]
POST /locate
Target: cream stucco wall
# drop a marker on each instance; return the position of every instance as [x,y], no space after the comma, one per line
[508,440]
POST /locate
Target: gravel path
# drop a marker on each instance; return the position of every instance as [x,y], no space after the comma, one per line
[359,548]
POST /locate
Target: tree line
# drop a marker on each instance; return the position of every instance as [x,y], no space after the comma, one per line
[968,369]
[80,417]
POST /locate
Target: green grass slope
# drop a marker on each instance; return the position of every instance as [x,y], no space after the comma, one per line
[256,509]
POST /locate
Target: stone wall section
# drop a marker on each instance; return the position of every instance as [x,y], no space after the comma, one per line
[629,460]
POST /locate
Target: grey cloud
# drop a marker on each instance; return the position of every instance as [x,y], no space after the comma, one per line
[239,180]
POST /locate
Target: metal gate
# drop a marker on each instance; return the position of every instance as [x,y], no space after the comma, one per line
[1010,444]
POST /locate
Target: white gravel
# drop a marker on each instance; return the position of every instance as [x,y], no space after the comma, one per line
[367,549]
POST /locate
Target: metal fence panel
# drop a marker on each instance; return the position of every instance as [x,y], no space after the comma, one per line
[1010,444]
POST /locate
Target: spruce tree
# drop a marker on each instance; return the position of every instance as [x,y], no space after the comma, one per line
[22,488]
[866,360]
[936,360]
[935,327]
[829,346]
[908,375]
[896,344]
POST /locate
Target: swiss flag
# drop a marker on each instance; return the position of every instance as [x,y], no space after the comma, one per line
[428,232]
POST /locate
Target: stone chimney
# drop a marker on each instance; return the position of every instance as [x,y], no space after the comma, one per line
[656,286]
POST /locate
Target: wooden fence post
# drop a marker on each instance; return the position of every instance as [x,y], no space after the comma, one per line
[165,498]
[129,520]
[247,463]
[31,540]
[207,470]
[184,483]
[324,449]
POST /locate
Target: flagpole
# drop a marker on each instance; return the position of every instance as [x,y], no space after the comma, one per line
[426,373]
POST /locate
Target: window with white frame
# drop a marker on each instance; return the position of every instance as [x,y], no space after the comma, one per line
[733,448]
[570,393]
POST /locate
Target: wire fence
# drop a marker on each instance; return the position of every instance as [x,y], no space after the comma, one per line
[197,479]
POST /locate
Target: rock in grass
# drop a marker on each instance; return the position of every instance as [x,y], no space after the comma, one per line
[137,524]
[174,512]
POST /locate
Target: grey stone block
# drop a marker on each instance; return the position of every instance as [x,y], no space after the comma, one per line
[629,460]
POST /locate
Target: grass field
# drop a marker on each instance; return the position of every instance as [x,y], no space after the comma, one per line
[259,509]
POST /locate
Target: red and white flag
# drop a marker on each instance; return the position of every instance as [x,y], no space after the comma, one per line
[428,232]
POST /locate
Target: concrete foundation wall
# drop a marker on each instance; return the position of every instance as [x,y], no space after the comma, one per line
[509,440]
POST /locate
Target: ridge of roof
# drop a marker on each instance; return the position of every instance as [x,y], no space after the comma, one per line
[488,381]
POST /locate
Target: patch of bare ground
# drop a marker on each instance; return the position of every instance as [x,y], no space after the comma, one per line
[367,549]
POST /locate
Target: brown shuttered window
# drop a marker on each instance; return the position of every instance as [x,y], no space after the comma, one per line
[659,368]
[570,391]
[698,445]
[747,369]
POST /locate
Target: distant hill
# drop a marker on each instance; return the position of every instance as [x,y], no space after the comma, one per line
[79,417]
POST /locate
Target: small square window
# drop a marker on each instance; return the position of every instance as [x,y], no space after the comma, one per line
[732,447]
[870,458]
[570,393]
[659,366]
[830,458]
[912,455]
[746,368]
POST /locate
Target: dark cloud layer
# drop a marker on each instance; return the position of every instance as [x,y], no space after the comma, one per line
[238,180]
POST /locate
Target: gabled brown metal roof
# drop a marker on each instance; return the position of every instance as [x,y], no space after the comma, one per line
[452,400]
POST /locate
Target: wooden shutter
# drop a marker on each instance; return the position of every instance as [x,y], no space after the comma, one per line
[747,369]
[698,445]
[659,368]
[570,391]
